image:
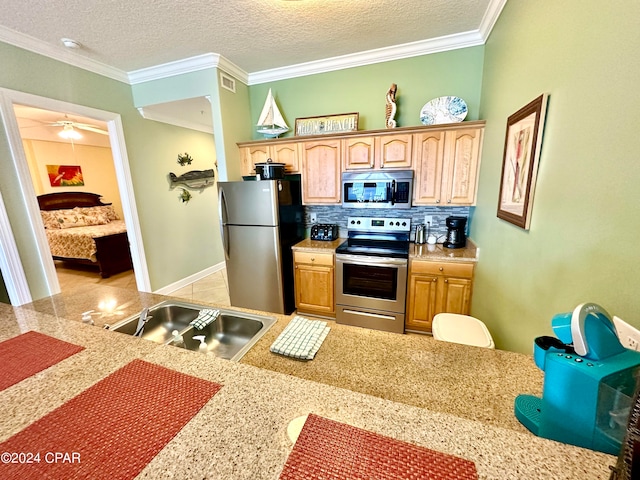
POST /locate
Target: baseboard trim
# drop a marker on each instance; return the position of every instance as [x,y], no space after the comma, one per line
[169,289]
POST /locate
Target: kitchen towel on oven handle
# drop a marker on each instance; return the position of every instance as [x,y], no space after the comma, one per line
[301,338]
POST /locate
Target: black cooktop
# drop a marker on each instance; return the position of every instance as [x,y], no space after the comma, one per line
[375,248]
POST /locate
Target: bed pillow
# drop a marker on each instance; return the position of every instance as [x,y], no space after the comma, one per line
[106,210]
[71,221]
[49,219]
[93,218]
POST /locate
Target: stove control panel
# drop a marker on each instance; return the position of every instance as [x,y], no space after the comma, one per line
[377,224]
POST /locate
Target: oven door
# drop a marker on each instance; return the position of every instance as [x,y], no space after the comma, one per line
[371,282]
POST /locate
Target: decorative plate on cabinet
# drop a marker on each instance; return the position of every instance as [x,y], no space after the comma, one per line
[443,110]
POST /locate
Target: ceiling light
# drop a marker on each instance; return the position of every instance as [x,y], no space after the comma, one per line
[69,43]
[69,133]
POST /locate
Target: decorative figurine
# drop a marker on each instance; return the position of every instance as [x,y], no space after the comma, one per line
[192,179]
[185,159]
[185,196]
[391,107]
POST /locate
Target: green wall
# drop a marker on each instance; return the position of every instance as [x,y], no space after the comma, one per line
[172,249]
[580,246]
[363,89]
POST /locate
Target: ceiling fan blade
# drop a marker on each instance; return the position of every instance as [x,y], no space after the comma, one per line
[90,128]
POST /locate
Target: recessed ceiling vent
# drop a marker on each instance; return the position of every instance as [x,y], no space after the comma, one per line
[227,82]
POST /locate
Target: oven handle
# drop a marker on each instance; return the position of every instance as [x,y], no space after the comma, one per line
[364,260]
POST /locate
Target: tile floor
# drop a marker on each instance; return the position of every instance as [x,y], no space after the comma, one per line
[213,288]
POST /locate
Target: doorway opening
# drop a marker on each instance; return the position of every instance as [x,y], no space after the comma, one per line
[123,190]
[67,154]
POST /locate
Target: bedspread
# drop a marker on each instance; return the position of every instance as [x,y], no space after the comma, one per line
[79,242]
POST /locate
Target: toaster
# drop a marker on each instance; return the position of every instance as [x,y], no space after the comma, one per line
[324,232]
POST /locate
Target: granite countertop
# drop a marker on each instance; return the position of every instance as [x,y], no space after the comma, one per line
[308,245]
[437,252]
[241,432]
[419,252]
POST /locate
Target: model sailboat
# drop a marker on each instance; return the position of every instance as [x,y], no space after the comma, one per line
[271,124]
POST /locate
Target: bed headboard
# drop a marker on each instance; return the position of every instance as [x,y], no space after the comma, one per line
[63,200]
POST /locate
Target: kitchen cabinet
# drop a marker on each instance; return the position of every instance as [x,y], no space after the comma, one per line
[445,160]
[287,153]
[314,283]
[321,172]
[436,287]
[446,164]
[382,151]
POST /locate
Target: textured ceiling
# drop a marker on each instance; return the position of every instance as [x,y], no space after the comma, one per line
[255,35]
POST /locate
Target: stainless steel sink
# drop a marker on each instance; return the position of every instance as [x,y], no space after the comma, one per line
[229,336]
[163,319]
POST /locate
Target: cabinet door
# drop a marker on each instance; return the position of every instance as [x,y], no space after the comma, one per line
[421,302]
[251,155]
[461,176]
[429,161]
[358,153]
[287,153]
[394,151]
[456,295]
[321,172]
[314,289]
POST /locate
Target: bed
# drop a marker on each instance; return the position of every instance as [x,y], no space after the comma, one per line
[82,229]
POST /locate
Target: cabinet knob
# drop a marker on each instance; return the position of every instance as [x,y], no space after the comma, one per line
[435,279]
[446,280]
[313,259]
[449,201]
[437,201]
[441,269]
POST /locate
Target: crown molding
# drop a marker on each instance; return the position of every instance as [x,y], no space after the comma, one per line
[171,120]
[490,18]
[34,45]
[386,54]
[170,69]
[187,65]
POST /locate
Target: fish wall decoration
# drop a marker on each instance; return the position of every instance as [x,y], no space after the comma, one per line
[193,179]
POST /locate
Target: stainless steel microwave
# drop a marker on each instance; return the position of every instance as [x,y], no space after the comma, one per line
[376,189]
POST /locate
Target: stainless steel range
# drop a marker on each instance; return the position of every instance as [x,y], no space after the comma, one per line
[371,273]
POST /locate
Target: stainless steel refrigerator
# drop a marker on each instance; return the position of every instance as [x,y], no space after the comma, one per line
[259,222]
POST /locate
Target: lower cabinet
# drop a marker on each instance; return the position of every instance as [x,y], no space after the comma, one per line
[436,287]
[314,283]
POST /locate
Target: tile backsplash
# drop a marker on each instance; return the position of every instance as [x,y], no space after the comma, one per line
[338,215]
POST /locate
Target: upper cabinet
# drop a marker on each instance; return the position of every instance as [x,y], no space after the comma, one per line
[382,151]
[321,171]
[287,153]
[445,160]
[447,163]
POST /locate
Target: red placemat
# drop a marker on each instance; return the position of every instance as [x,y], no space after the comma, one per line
[30,353]
[111,430]
[331,450]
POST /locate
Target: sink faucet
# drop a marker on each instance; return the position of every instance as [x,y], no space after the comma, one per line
[142,320]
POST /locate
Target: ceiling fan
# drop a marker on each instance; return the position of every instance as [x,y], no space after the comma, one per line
[68,128]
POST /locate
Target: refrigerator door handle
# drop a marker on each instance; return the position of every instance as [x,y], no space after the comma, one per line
[222,212]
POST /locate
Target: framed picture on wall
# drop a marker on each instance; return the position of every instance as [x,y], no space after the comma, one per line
[522,144]
[65,175]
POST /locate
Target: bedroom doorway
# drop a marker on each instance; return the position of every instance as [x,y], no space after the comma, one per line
[16,278]
[79,147]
